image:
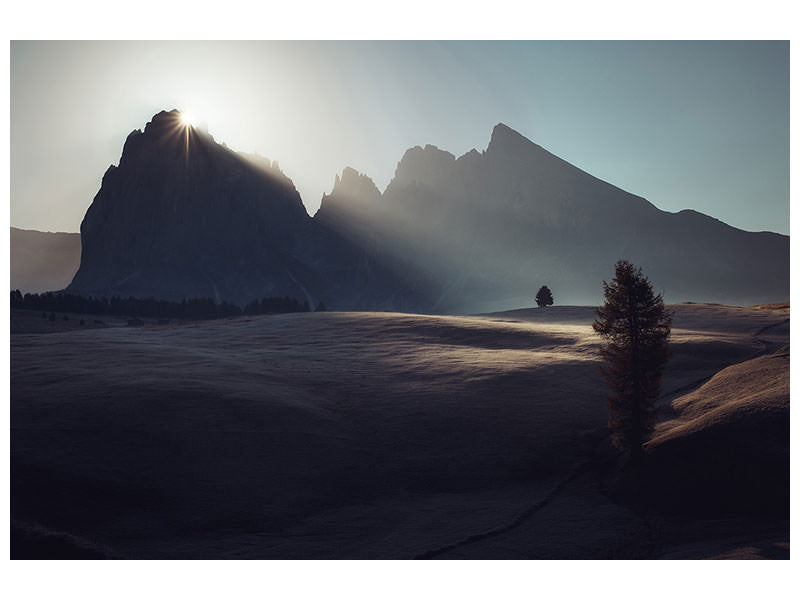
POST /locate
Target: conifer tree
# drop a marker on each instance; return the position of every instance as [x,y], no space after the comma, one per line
[544,297]
[636,328]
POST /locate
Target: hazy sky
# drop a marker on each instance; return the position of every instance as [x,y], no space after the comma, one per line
[702,125]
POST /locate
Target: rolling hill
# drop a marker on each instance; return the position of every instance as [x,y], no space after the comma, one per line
[386,435]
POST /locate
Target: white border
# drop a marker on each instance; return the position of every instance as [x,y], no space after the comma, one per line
[411,19]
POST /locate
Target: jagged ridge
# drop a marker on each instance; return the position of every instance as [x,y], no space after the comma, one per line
[490,227]
[183,216]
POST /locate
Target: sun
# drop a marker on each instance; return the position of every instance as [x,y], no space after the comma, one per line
[188,120]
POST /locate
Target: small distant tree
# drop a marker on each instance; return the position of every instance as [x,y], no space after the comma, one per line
[544,297]
[321,307]
[636,328]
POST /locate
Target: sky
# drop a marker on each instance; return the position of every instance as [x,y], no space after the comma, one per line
[700,125]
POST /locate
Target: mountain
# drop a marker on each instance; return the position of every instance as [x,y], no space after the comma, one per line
[43,261]
[491,227]
[182,216]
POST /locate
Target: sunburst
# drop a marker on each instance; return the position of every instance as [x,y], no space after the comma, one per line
[188,120]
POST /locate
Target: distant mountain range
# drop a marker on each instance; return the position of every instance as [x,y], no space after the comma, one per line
[43,261]
[183,216]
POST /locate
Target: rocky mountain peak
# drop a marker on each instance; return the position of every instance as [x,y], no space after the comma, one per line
[353,183]
[427,166]
[164,120]
[353,193]
[166,137]
[178,211]
[505,140]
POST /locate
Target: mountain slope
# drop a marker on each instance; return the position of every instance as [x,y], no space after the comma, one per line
[491,227]
[43,261]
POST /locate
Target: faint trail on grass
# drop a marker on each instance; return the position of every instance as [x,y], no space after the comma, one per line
[516,522]
[769,346]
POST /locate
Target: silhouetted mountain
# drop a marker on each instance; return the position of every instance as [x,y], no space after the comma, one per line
[491,227]
[183,216]
[43,261]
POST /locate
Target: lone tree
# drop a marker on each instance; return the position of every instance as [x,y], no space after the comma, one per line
[636,329]
[544,297]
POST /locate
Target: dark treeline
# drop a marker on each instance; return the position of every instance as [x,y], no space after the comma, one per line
[193,308]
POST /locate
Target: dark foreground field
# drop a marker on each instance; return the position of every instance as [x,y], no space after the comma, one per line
[378,435]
